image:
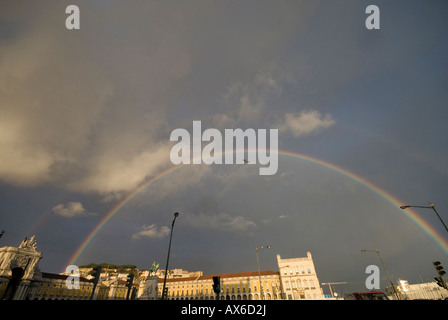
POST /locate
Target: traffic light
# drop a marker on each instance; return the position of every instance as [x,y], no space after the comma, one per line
[130,280]
[440,280]
[439,268]
[216,284]
[96,272]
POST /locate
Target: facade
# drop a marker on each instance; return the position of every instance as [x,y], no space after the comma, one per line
[50,286]
[234,286]
[21,279]
[299,278]
[296,280]
[178,273]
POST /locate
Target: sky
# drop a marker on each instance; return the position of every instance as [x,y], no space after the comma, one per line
[86,117]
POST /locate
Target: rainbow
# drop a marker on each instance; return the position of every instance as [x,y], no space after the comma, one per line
[440,241]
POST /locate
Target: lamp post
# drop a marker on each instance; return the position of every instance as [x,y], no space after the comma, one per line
[168,257]
[431,206]
[259,275]
[293,290]
[388,275]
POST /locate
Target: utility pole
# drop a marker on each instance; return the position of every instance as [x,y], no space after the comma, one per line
[164,293]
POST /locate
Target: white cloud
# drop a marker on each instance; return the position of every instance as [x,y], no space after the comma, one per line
[125,173]
[151,231]
[72,209]
[305,122]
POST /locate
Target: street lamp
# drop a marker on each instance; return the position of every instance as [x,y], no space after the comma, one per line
[168,257]
[431,206]
[293,288]
[259,275]
[390,280]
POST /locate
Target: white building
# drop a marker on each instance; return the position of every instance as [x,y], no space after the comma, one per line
[420,291]
[299,278]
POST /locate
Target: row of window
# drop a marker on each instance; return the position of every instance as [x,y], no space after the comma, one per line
[226,288]
[60,290]
[291,270]
[267,296]
[305,284]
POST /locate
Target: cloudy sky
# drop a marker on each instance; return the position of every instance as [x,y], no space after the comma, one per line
[86,117]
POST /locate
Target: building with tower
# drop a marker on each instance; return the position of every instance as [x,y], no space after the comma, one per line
[299,278]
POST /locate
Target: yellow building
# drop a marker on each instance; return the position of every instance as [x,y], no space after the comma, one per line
[50,286]
[234,286]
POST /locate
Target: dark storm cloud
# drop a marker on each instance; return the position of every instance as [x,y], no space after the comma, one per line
[86,114]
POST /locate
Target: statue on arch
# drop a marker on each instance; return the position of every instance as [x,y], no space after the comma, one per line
[30,243]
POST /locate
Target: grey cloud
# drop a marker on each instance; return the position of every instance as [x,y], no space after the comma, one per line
[90,110]
[223,221]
